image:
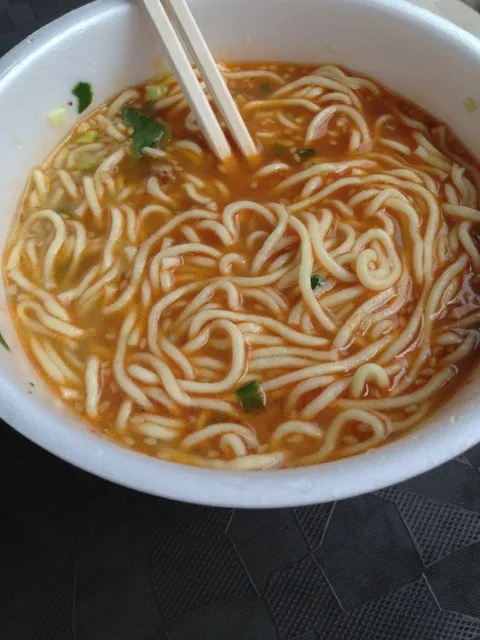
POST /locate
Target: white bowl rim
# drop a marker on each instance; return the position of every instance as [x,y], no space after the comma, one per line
[376,469]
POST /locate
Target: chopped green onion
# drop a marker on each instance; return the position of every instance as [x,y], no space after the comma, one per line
[155,92]
[279,150]
[84,92]
[89,160]
[57,116]
[31,384]
[163,74]
[305,154]
[146,132]
[265,87]
[87,137]
[252,397]
[470,105]
[316,281]
[3,342]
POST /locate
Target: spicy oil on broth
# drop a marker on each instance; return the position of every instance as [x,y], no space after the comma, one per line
[308,309]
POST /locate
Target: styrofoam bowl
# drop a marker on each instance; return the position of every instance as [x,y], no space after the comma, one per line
[111,44]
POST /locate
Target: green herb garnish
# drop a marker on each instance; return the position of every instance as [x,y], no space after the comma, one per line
[57,116]
[470,104]
[87,137]
[86,160]
[84,92]
[4,343]
[31,384]
[279,150]
[146,132]
[155,92]
[305,154]
[252,397]
[265,87]
[316,281]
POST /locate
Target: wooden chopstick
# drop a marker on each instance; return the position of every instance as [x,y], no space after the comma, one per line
[196,98]
[183,19]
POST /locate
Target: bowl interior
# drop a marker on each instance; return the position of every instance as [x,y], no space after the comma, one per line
[112,44]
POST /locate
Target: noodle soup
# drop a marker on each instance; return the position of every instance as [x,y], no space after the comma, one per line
[310,308]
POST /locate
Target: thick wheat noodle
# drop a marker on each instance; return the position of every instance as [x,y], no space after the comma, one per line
[308,81]
[215,430]
[153,208]
[260,73]
[55,245]
[233,442]
[237,364]
[413,224]
[467,346]
[317,231]
[218,229]
[60,363]
[273,325]
[349,241]
[329,395]
[468,244]
[50,368]
[79,247]
[312,354]
[178,357]
[261,281]
[408,333]
[366,309]
[175,251]
[231,212]
[167,377]
[51,305]
[157,431]
[107,165]
[92,197]
[431,307]
[23,307]
[384,279]
[272,240]
[325,115]
[341,366]
[95,289]
[266,299]
[159,396]
[92,386]
[278,362]
[153,418]
[251,462]
[116,229]
[143,375]
[323,194]
[296,427]
[343,295]
[304,275]
[55,325]
[233,299]
[70,295]
[436,382]
[333,433]
[370,372]
[318,169]
[397,302]
[401,425]
[274,168]
[123,415]
[131,389]
[142,256]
